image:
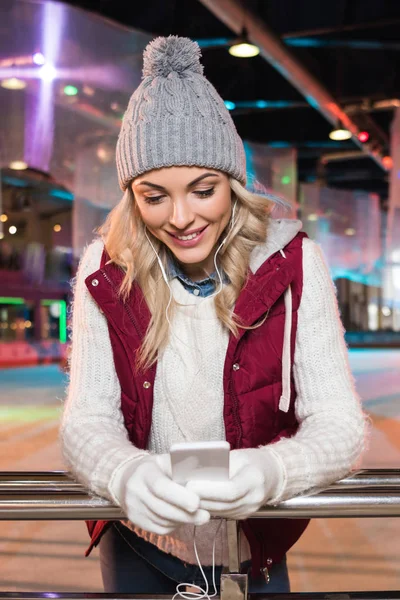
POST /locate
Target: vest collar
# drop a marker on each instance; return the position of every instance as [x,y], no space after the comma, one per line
[280,232]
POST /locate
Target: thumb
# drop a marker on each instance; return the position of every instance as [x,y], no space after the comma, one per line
[164,462]
[201,517]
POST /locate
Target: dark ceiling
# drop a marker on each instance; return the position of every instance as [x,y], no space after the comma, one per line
[351,46]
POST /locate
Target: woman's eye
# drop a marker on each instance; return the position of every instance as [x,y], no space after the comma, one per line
[205,193]
[153,199]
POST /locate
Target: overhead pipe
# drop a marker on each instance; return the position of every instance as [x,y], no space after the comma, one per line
[376,105]
[235,15]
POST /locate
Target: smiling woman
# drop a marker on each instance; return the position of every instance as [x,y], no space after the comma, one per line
[191,213]
[169,203]
[197,317]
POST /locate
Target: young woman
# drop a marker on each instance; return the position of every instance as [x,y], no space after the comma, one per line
[199,317]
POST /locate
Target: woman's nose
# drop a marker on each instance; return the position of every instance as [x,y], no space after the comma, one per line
[182,215]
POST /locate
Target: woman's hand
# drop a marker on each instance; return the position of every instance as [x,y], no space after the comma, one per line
[255,478]
[151,500]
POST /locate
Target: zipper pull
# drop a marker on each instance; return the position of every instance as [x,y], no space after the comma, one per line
[265,573]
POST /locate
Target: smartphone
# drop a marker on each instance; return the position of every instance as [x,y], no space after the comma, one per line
[206,461]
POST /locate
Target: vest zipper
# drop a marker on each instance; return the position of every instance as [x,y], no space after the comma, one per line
[264,568]
[126,306]
[235,413]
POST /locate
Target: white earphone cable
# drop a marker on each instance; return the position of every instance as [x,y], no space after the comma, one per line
[202,593]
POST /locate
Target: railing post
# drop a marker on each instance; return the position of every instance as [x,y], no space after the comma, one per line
[234,585]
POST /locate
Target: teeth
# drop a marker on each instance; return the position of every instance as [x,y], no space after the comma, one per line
[189,237]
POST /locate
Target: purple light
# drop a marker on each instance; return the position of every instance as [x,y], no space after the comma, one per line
[47,72]
[39,115]
[38,58]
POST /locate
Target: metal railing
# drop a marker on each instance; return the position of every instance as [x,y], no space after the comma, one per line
[56,496]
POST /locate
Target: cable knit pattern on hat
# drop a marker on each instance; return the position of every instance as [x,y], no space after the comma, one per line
[332,426]
[176,117]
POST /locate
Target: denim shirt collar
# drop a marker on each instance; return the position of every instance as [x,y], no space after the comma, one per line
[202,288]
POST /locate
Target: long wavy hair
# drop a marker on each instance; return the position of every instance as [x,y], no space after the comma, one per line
[124,236]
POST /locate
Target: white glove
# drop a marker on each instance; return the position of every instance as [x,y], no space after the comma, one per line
[256,477]
[150,499]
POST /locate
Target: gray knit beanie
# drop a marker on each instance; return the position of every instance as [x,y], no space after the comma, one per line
[176,117]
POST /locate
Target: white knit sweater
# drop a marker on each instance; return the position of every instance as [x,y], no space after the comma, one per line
[330,437]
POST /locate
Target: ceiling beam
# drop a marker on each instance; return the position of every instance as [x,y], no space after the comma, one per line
[235,16]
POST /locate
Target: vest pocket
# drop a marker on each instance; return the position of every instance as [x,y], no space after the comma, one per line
[258,411]
[262,420]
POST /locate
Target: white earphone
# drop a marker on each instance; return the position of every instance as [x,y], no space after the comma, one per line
[164,274]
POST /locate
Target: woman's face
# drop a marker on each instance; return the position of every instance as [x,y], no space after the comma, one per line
[193,203]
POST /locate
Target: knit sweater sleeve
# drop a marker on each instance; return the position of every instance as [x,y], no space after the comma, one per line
[332,426]
[93,437]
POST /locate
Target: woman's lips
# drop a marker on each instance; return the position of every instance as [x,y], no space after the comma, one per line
[189,232]
[192,242]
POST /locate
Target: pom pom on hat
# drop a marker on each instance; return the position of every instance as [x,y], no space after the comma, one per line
[165,55]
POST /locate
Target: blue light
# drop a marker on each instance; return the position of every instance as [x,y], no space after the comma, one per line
[214,42]
[279,144]
[265,104]
[312,101]
[319,43]
[271,104]
[14,181]
[62,194]
[230,105]
[304,42]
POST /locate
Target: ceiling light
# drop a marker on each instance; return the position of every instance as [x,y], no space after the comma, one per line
[47,72]
[57,227]
[243,48]
[38,58]
[13,84]
[363,136]
[18,165]
[340,134]
[387,162]
[12,229]
[3,218]
[70,90]
[87,90]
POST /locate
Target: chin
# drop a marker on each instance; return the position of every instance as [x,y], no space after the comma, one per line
[191,256]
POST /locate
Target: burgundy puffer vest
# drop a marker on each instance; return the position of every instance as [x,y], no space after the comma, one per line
[252,376]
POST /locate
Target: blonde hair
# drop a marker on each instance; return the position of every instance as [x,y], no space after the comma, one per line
[124,236]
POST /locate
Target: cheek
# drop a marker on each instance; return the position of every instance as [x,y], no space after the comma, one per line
[220,210]
[152,216]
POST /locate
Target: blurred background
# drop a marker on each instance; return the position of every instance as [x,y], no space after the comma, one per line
[314,90]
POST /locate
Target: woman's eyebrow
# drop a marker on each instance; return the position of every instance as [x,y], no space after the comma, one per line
[200,178]
[153,185]
[189,185]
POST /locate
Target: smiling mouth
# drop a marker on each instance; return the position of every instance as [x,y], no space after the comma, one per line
[191,236]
